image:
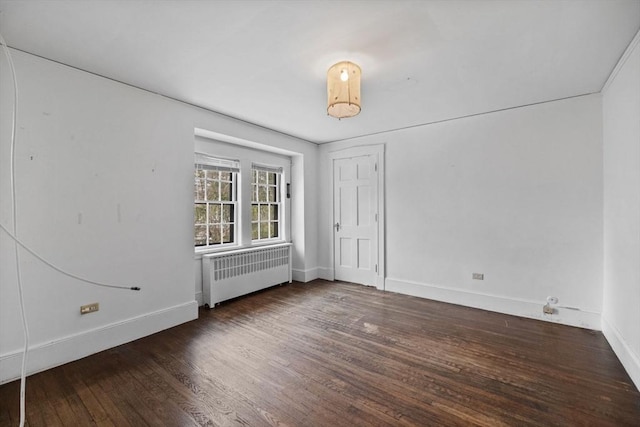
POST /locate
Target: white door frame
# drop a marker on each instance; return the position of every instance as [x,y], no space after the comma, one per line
[364,150]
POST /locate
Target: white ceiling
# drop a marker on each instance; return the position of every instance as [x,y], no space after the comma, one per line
[265,61]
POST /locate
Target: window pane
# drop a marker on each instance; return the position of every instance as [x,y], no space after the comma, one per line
[254,213]
[254,231]
[254,193]
[264,212]
[273,194]
[264,230]
[254,175]
[227,233]
[200,214]
[274,229]
[262,177]
[199,173]
[200,235]
[199,189]
[225,176]
[212,191]
[214,235]
[274,212]
[225,191]
[214,213]
[262,193]
[272,178]
[227,213]
[212,174]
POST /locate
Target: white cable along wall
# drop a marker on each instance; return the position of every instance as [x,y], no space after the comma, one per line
[12,233]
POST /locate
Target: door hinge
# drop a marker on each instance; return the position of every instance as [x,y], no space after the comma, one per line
[376,218]
[375,167]
[376,268]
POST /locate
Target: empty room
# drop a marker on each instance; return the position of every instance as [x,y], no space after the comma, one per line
[320,213]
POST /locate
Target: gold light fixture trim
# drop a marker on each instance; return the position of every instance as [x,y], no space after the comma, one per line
[343,90]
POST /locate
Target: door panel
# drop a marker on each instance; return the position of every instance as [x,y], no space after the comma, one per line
[364,205]
[348,207]
[364,254]
[345,253]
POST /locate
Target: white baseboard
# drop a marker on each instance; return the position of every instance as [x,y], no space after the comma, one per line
[73,347]
[199,299]
[329,274]
[304,276]
[326,273]
[627,357]
[516,307]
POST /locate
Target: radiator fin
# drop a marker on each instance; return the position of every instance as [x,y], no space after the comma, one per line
[228,266]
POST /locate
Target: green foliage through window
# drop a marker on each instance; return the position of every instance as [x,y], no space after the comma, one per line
[215,207]
[265,204]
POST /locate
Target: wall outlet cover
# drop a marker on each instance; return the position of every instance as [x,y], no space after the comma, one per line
[89,308]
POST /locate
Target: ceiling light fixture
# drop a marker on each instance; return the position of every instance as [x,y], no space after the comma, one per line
[343,90]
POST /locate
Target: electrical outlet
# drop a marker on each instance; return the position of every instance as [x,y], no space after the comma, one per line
[477,276]
[89,308]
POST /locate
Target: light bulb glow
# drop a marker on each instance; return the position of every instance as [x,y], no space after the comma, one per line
[344,75]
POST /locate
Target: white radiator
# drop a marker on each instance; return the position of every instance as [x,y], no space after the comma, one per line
[231,274]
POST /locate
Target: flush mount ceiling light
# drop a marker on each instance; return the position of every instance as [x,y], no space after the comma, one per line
[343,90]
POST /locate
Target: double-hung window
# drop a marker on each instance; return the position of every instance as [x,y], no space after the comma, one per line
[215,210]
[266,206]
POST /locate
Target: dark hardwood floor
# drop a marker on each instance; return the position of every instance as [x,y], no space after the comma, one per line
[335,354]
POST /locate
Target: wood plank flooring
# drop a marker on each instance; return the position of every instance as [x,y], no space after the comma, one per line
[335,354]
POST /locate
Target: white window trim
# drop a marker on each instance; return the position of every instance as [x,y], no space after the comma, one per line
[216,145]
[207,162]
[280,185]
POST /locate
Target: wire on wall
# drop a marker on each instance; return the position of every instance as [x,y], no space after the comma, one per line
[25,326]
[13,234]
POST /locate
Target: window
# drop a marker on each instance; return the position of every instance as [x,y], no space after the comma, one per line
[239,203]
[265,202]
[215,210]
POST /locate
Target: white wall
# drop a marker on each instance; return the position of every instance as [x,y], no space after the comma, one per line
[104,184]
[516,195]
[621,111]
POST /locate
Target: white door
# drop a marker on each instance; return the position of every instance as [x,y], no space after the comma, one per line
[355,192]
